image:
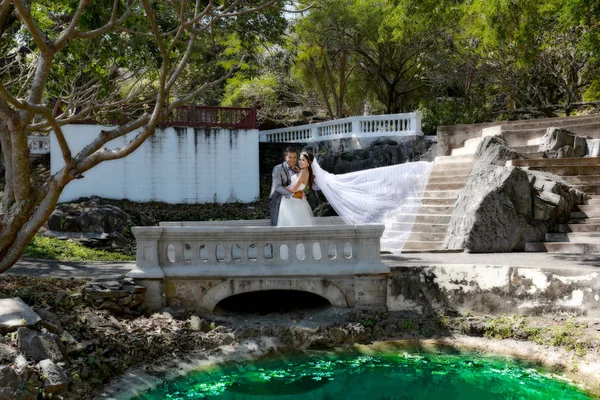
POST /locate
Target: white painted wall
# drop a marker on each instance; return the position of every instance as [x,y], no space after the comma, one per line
[175,165]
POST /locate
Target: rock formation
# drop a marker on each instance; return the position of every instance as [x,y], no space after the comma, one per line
[501,208]
[561,143]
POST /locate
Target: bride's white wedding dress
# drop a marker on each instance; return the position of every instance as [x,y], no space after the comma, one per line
[295,212]
[386,195]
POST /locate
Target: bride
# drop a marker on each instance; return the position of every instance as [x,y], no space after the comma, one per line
[386,195]
[295,211]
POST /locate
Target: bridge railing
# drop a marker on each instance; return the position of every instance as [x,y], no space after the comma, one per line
[38,144]
[408,124]
[252,248]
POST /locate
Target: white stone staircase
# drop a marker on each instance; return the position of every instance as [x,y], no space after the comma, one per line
[582,232]
[448,177]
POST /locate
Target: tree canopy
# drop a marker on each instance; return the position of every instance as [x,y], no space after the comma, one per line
[129,61]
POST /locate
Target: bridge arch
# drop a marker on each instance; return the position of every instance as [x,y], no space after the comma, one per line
[231,287]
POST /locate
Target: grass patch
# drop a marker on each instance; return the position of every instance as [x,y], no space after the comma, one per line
[62,250]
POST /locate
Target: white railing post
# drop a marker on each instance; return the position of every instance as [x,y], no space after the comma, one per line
[356,125]
[416,126]
[314,133]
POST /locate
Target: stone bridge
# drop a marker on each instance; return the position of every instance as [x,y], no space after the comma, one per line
[195,265]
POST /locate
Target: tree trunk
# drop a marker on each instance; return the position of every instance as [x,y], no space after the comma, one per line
[340,110]
[331,82]
[22,221]
[8,197]
[313,67]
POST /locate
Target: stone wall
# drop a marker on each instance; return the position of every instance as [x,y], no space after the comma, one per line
[353,154]
[175,165]
[494,290]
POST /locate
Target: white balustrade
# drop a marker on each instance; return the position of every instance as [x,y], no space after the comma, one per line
[361,126]
[228,249]
[38,144]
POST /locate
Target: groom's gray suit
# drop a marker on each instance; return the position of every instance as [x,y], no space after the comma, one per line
[281,178]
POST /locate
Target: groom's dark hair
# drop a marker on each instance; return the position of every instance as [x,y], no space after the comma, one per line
[289,150]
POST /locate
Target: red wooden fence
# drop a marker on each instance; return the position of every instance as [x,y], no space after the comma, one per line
[204,116]
[201,116]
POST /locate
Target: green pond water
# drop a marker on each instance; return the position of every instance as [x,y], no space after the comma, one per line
[399,376]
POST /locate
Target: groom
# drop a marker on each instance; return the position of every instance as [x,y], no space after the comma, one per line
[282,176]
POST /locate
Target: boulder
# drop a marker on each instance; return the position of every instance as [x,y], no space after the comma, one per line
[198,324]
[38,346]
[56,220]
[20,366]
[7,353]
[12,386]
[103,225]
[338,335]
[49,320]
[14,313]
[561,143]
[501,208]
[56,380]
[91,220]
[494,150]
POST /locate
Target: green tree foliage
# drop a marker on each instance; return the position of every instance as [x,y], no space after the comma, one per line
[463,61]
[125,61]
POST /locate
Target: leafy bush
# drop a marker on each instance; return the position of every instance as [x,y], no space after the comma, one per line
[452,111]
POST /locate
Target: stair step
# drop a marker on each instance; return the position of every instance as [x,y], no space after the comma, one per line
[473,142]
[445,186]
[452,166]
[419,245]
[440,202]
[579,228]
[434,219]
[586,237]
[589,189]
[420,227]
[584,214]
[547,162]
[414,251]
[589,207]
[449,179]
[428,237]
[437,173]
[583,179]
[592,202]
[418,236]
[427,209]
[563,248]
[584,221]
[441,194]
[454,159]
[459,151]
[570,170]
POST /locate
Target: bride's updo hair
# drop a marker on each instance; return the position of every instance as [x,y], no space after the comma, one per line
[309,157]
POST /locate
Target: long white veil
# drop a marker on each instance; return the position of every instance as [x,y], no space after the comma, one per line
[387,195]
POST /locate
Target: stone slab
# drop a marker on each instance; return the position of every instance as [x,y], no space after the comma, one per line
[14,313]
